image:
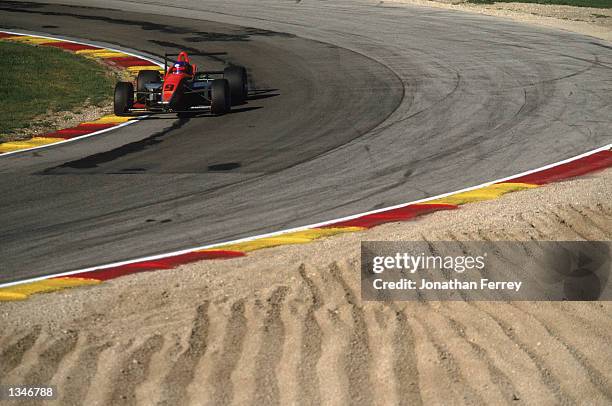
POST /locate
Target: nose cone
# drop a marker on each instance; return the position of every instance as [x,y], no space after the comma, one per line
[171,84]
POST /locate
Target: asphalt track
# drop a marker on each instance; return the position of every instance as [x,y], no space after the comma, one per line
[356,105]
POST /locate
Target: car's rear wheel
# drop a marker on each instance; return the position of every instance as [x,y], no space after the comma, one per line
[237,78]
[124,98]
[145,77]
[220,97]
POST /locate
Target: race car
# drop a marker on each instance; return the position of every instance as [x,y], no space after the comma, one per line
[182,89]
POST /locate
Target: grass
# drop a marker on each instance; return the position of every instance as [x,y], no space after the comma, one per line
[35,80]
[576,3]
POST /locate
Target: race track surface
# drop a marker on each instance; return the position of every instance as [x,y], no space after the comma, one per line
[355,106]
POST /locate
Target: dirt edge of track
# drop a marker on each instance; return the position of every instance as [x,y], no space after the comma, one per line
[287,324]
[595,22]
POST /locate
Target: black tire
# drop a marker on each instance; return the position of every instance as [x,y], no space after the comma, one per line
[220,98]
[237,78]
[146,77]
[124,98]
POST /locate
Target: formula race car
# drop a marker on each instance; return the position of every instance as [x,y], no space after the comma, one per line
[182,89]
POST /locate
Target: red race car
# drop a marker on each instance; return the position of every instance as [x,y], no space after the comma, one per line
[182,89]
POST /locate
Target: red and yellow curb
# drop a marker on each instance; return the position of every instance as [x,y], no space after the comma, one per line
[21,292]
[111,57]
[591,162]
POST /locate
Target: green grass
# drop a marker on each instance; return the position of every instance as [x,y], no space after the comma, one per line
[34,80]
[577,3]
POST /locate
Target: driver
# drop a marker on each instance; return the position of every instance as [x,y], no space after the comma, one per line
[182,67]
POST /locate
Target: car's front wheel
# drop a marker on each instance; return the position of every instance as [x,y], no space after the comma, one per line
[124,98]
[220,98]
[237,78]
